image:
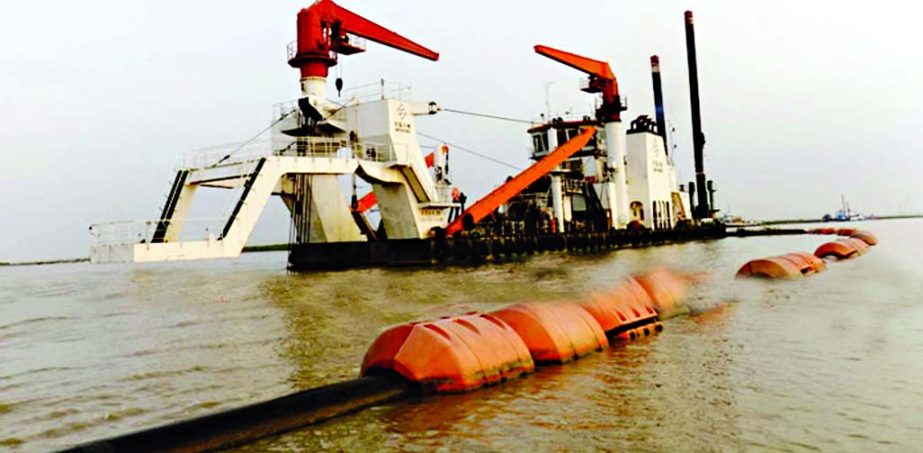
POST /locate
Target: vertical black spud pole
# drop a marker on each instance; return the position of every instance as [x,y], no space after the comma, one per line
[698,138]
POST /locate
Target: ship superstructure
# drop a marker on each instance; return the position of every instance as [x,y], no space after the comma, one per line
[591,181]
[314,143]
[616,181]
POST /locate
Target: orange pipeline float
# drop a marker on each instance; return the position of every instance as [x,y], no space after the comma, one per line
[817,264]
[860,245]
[452,354]
[840,250]
[666,290]
[623,310]
[555,332]
[845,231]
[473,350]
[806,263]
[865,236]
[772,267]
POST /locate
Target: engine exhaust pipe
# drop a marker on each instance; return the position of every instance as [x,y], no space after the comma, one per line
[698,138]
[658,102]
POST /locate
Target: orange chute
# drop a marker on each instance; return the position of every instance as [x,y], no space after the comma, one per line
[483,207]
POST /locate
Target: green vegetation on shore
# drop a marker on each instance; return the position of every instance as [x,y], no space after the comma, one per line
[42,262]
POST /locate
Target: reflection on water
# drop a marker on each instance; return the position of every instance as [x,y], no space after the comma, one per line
[830,362]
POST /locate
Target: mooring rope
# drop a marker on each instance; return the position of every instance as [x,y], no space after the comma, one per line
[486,115]
[470,151]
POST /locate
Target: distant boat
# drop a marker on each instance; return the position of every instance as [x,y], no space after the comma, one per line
[733,221]
[844,214]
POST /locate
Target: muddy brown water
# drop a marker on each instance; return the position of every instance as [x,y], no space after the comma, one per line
[832,362]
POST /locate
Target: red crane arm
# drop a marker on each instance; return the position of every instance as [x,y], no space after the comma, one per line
[602,79]
[322,35]
[351,22]
[590,66]
[483,207]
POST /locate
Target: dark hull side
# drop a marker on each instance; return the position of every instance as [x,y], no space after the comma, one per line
[476,250]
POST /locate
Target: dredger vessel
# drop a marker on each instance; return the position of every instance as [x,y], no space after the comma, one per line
[593,185]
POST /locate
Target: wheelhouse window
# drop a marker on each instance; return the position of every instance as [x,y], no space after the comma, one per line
[540,142]
[564,135]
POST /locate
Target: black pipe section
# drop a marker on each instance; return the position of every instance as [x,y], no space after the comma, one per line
[698,138]
[658,102]
[248,423]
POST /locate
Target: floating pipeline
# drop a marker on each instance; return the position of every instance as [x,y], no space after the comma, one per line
[859,244]
[799,264]
[773,268]
[865,236]
[805,267]
[845,231]
[840,250]
[451,354]
[855,233]
[555,332]
[806,260]
[666,291]
[245,424]
[622,311]
[447,355]
[791,266]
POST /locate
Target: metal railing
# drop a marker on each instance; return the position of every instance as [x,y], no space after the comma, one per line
[226,154]
[325,147]
[291,51]
[141,231]
[356,42]
[284,109]
[381,89]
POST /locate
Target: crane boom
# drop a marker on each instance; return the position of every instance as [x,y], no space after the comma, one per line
[323,33]
[351,22]
[602,79]
[588,65]
[483,207]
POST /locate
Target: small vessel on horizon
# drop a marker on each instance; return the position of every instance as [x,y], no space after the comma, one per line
[845,213]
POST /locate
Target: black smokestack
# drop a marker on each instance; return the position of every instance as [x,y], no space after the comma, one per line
[698,138]
[658,102]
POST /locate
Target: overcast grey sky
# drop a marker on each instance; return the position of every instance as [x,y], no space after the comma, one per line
[801,101]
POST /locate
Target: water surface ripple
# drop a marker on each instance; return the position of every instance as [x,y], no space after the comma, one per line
[827,363]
